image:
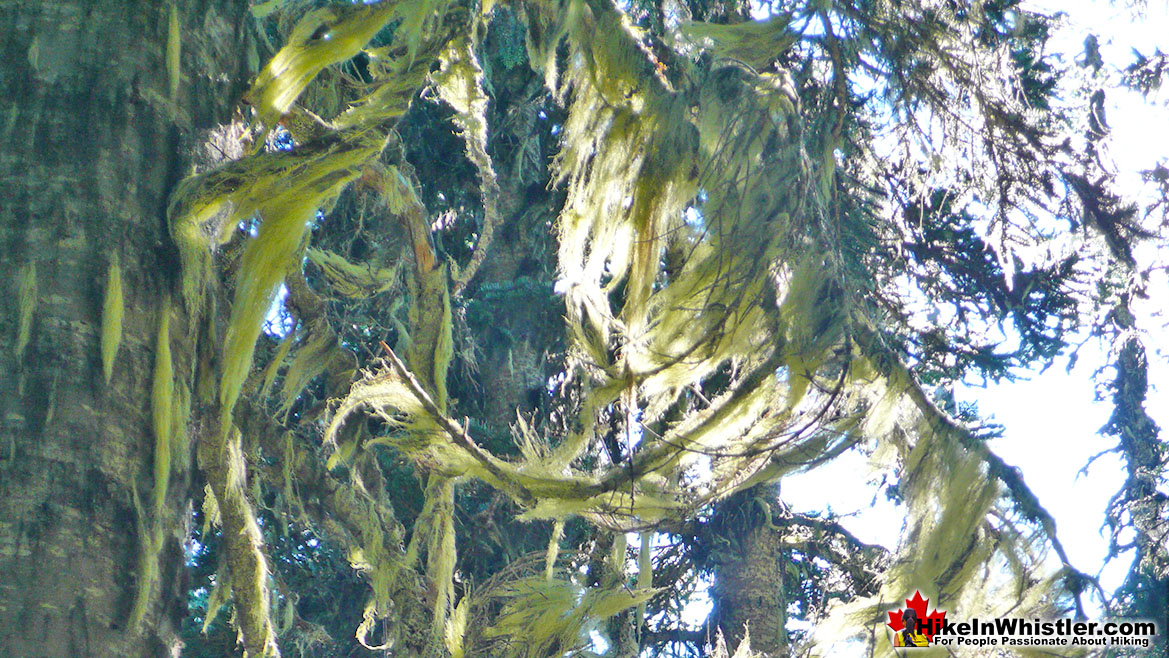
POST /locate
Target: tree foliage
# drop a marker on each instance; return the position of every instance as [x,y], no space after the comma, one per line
[553,273]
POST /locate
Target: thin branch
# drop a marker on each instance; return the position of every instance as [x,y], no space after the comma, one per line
[456,431]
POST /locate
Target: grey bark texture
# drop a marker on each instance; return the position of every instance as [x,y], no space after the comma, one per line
[749,575]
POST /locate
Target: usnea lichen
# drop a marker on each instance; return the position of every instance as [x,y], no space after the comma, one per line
[113,308]
[693,244]
[162,408]
[27,298]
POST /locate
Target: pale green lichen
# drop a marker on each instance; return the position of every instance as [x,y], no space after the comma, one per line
[287,205]
[218,597]
[286,189]
[162,408]
[750,293]
[150,538]
[441,554]
[273,368]
[553,548]
[179,437]
[459,82]
[211,517]
[645,575]
[34,55]
[549,617]
[312,359]
[113,308]
[51,407]
[27,296]
[753,43]
[353,280]
[323,37]
[456,631]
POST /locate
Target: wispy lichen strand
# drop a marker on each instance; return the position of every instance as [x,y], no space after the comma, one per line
[113,308]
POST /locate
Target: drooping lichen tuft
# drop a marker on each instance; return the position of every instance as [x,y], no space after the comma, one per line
[218,597]
[460,83]
[645,575]
[311,360]
[754,43]
[113,309]
[323,37]
[273,367]
[456,630]
[441,552]
[553,548]
[357,281]
[287,192]
[27,294]
[149,546]
[546,617]
[162,407]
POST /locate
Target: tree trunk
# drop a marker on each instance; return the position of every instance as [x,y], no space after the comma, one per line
[94,128]
[515,347]
[748,589]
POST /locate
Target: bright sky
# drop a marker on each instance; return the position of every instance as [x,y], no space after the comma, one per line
[1052,419]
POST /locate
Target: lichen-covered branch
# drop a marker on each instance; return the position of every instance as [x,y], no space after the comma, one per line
[222,461]
[460,84]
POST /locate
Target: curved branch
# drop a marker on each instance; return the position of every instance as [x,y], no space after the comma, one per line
[890,365]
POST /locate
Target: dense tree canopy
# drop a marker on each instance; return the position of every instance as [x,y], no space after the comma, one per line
[494,328]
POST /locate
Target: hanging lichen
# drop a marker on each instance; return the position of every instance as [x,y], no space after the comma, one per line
[286,189]
[162,407]
[456,631]
[427,28]
[753,43]
[546,617]
[211,518]
[273,367]
[180,450]
[111,318]
[460,83]
[710,316]
[205,209]
[312,358]
[441,555]
[34,55]
[351,279]
[51,406]
[27,297]
[220,593]
[553,548]
[222,461]
[149,546]
[645,577]
[953,487]
[323,37]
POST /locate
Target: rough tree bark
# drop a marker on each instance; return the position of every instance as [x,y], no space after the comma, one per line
[748,576]
[95,128]
[514,369]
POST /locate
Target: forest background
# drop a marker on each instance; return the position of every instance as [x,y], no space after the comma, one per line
[564,292]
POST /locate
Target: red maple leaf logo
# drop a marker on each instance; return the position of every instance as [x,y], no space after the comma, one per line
[930,623]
